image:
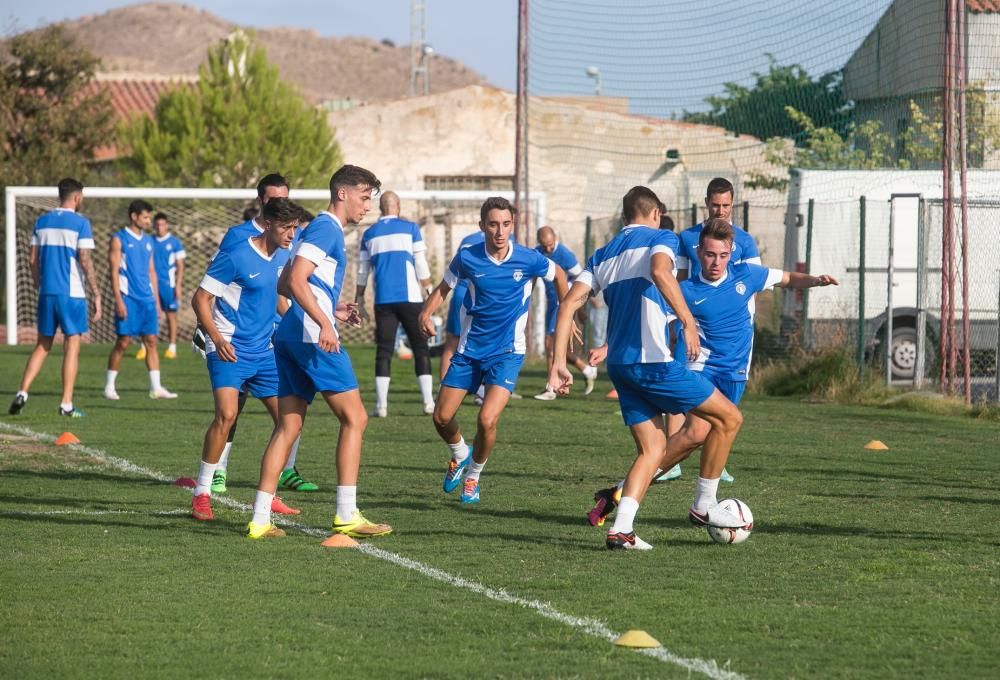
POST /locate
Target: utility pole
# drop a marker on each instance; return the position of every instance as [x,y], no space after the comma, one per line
[420,51]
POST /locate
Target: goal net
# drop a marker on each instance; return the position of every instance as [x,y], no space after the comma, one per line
[199,218]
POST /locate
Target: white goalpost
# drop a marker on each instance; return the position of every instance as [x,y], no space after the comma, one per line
[199,217]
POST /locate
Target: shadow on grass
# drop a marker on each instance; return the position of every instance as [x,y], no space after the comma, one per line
[83,476]
[812,529]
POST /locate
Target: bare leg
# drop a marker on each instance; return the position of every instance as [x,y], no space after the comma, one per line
[36,360]
[650,444]
[450,345]
[292,412]
[172,327]
[152,358]
[226,399]
[350,411]
[448,402]
[115,358]
[70,367]
[489,416]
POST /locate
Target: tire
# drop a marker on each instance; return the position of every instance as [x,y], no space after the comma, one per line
[903,353]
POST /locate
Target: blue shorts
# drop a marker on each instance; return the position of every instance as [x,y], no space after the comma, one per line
[731,389]
[647,390]
[304,369]
[455,314]
[468,374]
[256,372]
[61,311]
[551,313]
[141,318]
[168,298]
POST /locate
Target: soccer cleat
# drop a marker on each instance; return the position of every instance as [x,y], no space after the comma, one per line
[715,517]
[548,395]
[278,506]
[453,475]
[470,492]
[293,481]
[429,408]
[379,412]
[111,393]
[672,473]
[17,404]
[201,507]
[268,530]
[613,394]
[606,501]
[72,413]
[141,354]
[726,477]
[626,541]
[170,354]
[162,393]
[359,527]
[219,481]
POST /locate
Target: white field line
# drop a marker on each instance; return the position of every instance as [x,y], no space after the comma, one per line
[88,513]
[592,627]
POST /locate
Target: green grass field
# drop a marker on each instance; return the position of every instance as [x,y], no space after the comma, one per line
[862,564]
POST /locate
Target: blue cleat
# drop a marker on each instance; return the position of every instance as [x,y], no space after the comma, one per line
[726,477]
[470,492]
[668,475]
[453,475]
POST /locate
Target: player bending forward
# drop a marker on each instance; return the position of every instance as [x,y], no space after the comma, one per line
[491,349]
[636,272]
[310,358]
[720,298]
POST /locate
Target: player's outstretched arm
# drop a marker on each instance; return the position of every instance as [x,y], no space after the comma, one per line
[661,271]
[798,280]
[431,305]
[560,378]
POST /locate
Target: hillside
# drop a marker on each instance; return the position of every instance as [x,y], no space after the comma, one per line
[169,38]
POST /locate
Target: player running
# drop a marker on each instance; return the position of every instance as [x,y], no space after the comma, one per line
[168,256]
[720,299]
[310,358]
[635,271]
[550,247]
[500,274]
[394,250]
[60,258]
[235,304]
[133,282]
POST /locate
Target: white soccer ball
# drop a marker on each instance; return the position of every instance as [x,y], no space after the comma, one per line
[738,534]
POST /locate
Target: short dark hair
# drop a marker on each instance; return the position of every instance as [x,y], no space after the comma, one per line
[716,229]
[281,211]
[160,216]
[720,185]
[495,203]
[68,187]
[352,176]
[139,206]
[250,212]
[638,202]
[272,180]
[666,222]
[306,216]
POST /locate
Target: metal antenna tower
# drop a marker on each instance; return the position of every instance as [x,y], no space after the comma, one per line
[420,51]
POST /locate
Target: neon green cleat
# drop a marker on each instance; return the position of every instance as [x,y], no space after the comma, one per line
[291,479]
[268,530]
[219,481]
[359,527]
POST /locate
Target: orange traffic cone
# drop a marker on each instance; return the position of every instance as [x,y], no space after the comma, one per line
[66,438]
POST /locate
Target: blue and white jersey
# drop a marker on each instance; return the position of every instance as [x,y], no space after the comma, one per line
[133,268]
[240,233]
[744,249]
[724,312]
[461,289]
[322,243]
[637,313]
[244,281]
[166,252]
[58,235]
[498,298]
[389,246]
[565,258]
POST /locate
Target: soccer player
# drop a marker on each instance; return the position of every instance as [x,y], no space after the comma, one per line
[456,310]
[168,255]
[310,358]
[133,281]
[549,246]
[394,250]
[500,274]
[60,258]
[235,304]
[636,272]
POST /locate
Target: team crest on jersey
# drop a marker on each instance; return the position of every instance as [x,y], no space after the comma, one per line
[741,288]
[149,248]
[518,275]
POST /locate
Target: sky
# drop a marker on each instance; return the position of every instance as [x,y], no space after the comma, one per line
[666,56]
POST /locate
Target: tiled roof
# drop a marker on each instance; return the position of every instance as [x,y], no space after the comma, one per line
[983,6]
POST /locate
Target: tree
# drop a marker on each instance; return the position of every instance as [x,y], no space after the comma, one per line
[238,123]
[761,110]
[51,120]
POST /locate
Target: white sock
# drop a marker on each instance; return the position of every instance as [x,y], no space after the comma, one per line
[475,469]
[22,393]
[109,382]
[204,483]
[381,391]
[590,372]
[347,501]
[294,454]
[459,451]
[481,392]
[224,460]
[627,508]
[66,406]
[704,494]
[262,507]
[426,383]
[172,347]
[154,381]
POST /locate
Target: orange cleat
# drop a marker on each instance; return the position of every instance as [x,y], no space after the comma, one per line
[201,507]
[278,506]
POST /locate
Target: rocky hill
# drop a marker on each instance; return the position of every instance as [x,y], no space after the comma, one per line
[168,38]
